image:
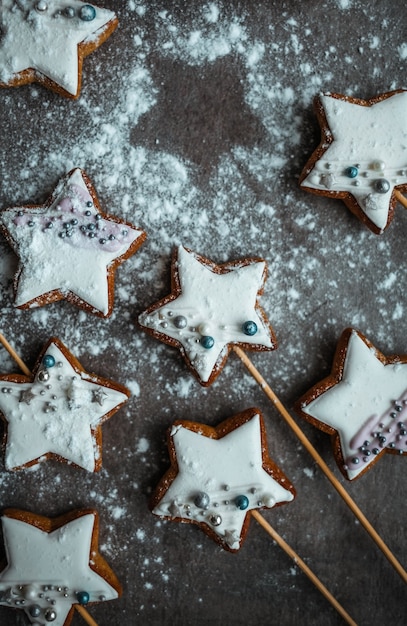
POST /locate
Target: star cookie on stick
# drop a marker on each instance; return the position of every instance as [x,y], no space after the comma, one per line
[362,157]
[211,308]
[53,565]
[67,248]
[45,41]
[57,412]
[362,404]
[219,475]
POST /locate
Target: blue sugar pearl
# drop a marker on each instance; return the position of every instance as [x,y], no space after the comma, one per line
[83,597]
[48,360]
[207,342]
[351,171]
[242,502]
[249,328]
[87,13]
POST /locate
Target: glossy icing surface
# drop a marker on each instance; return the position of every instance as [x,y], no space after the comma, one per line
[46,570]
[44,35]
[366,407]
[67,246]
[212,311]
[220,480]
[367,157]
[56,413]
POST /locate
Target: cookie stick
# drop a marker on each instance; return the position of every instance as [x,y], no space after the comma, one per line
[83,612]
[203,318]
[232,459]
[319,460]
[400,198]
[255,514]
[303,566]
[14,355]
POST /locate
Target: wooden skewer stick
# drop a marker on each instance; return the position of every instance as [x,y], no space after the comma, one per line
[27,372]
[319,460]
[277,538]
[400,198]
[14,354]
[83,612]
[303,566]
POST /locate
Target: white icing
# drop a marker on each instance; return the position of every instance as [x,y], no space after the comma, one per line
[44,567]
[368,388]
[46,41]
[56,415]
[215,305]
[373,138]
[223,469]
[50,261]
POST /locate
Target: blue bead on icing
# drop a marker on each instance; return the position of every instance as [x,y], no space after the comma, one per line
[82,597]
[351,171]
[48,360]
[207,342]
[87,13]
[242,502]
[249,328]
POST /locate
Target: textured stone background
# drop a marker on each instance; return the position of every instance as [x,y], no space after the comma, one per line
[194,122]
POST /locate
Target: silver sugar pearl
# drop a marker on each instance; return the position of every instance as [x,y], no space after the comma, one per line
[43,376]
[215,520]
[201,500]
[35,610]
[50,615]
[68,12]
[180,321]
[41,6]
[381,185]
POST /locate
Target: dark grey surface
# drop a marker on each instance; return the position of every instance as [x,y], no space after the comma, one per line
[202,143]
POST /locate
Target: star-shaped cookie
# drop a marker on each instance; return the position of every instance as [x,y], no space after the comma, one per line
[67,248]
[362,157]
[211,308]
[53,564]
[362,404]
[57,413]
[218,475]
[45,41]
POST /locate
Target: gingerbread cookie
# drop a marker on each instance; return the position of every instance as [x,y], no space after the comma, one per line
[362,404]
[362,157]
[58,413]
[67,248]
[52,565]
[45,41]
[218,475]
[211,308]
